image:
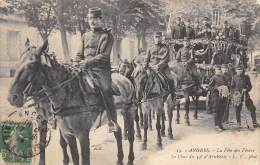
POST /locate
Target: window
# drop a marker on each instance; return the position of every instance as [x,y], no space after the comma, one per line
[13,45]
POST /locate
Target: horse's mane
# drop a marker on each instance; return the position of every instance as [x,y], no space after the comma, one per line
[70,70]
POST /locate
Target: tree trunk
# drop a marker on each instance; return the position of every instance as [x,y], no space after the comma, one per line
[117,51]
[64,41]
[143,40]
[117,42]
[138,36]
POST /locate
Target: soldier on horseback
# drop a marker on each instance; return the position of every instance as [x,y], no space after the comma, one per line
[185,57]
[157,59]
[94,57]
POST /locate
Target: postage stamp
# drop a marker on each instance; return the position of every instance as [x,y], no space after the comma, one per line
[20,136]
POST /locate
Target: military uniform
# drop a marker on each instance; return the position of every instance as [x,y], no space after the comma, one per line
[185,58]
[218,102]
[240,82]
[190,32]
[179,31]
[157,59]
[228,78]
[218,57]
[158,55]
[226,32]
[95,50]
[205,31]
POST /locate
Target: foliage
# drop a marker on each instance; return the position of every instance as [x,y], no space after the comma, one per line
[39,14]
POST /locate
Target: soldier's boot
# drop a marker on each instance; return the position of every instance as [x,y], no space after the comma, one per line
[252,108]
[238,116]
[111,111]
[253,115]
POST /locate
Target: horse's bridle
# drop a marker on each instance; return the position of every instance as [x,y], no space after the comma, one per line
[41,94]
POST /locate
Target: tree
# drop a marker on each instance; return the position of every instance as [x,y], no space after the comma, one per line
[61,23]
[148,15]
[38,14]
[75,15]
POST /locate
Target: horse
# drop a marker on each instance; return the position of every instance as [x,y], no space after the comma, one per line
[151,96]
[127,68]
[75,114]
[185,87]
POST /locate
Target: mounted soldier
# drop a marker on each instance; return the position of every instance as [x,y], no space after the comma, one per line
[186,59]
[157,59]
[94,60]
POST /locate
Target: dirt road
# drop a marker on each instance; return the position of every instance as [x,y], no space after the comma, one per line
[197,144]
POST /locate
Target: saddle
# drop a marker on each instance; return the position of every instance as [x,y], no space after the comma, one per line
[156,84]
[89,86]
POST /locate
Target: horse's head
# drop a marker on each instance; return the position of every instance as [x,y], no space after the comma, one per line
[140,80]
[126,68]
[27,73]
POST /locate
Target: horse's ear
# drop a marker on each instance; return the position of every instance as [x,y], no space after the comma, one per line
[44,46]
[27,43]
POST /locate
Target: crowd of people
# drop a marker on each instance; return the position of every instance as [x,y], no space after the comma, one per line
[194,30]
[223,86]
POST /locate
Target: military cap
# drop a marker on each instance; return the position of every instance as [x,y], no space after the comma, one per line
[158,34]
[95,11]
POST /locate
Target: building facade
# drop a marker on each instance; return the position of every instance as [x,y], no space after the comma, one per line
[14,32]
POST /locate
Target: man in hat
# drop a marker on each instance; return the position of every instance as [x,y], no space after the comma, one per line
[216,83]
[206,29]
[179,30]
[157,58]
[241,86]
[226,30]
[158,54]
[94,57]
[190,32]
[185,57]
